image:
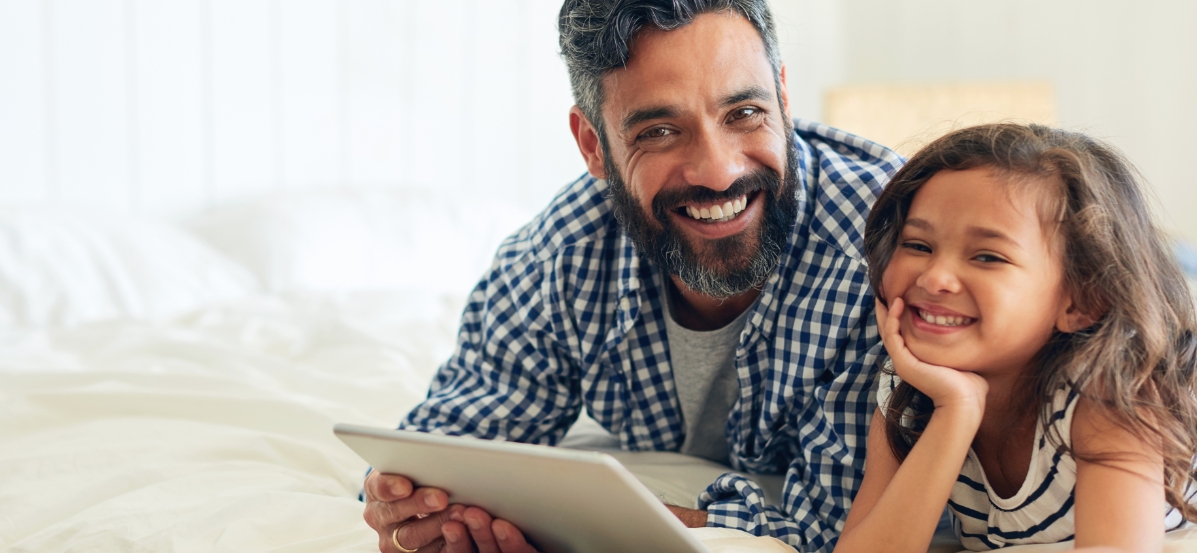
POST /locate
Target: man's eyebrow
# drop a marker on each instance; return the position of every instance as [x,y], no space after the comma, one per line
[753,92]
[647,114]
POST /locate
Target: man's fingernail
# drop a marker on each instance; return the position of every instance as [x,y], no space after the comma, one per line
[432,501]
[451,536]
[475,524]
[455,516]
[500,532]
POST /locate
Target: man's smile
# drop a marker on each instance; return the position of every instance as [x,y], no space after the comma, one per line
[716,212]
[719,220]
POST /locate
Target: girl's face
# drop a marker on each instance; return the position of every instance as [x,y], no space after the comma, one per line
[981,280]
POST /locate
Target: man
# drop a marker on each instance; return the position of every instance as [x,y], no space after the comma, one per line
[702,290]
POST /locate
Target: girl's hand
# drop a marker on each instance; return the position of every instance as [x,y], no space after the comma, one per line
[947,387]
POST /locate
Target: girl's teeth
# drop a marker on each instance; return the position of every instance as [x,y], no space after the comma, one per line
[942,320]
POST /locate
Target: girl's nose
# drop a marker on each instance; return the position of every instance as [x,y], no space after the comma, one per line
[938,278]
[714,162]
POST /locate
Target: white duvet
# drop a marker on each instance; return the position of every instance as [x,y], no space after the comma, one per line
[210,433]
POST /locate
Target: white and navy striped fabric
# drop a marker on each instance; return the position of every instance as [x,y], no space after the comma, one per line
[570,317]
[1042,509]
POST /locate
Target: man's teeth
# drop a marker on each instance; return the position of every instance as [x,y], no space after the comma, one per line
[942,320]
[718,213]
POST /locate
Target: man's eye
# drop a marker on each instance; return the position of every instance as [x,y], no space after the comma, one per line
[916,246]
[656,132]
[743,113]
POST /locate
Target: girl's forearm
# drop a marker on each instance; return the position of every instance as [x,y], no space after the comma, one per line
[906,514]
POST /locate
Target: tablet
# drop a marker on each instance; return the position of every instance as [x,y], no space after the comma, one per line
[564,500]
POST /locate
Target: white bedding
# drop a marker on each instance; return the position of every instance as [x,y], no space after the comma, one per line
[209,433]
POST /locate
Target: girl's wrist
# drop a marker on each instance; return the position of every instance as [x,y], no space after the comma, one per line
[965,415]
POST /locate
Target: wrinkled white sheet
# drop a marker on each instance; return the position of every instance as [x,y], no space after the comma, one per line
[212,433]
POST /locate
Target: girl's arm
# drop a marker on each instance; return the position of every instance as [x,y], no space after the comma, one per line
[898,506]
[1119,502]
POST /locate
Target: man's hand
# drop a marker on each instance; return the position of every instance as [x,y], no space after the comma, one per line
[426,522]
[692,518]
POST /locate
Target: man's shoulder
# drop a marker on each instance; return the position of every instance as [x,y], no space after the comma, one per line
[579,216]
[846,174]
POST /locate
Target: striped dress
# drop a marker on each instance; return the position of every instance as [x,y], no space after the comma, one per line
[1041,511]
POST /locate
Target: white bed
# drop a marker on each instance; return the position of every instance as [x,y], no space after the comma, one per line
[172,387]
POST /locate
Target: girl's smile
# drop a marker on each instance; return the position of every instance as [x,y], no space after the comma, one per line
[980,272]
[938,320]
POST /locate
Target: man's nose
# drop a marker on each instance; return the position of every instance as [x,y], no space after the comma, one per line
[714,162]
[939,277]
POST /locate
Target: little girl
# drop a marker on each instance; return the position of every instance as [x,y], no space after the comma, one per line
[1042,346]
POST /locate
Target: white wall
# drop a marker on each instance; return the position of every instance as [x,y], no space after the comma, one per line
[165,106]
[1123,71]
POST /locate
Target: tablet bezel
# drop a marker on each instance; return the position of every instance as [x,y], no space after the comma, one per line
[564,500]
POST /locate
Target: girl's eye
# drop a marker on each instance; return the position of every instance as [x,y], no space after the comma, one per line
[916,246]
[989,258]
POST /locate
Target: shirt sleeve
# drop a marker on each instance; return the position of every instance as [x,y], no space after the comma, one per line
[511,376]
[816,497]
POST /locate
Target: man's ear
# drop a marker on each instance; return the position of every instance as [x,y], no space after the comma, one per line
[588,142]
[785,94]
[1072,319]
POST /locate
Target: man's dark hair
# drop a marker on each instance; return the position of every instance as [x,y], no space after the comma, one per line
[596,37]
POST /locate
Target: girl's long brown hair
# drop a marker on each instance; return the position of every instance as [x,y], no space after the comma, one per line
[1137,361]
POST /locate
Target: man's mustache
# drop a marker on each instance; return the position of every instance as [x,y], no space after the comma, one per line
[761,179]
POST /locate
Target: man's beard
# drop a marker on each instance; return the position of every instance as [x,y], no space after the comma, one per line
[719,268]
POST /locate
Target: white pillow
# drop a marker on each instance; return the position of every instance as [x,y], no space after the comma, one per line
[66,266]
[353,240]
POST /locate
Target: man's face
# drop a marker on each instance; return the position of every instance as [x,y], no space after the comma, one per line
[699,154]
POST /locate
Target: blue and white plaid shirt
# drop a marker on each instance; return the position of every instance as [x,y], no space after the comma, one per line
[570,316]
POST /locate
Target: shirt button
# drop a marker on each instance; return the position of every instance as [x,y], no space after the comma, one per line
[624,304]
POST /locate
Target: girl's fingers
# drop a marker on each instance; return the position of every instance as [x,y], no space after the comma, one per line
[894,315]
[882,314]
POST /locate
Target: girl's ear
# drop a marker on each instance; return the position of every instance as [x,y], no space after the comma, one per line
[1072,319]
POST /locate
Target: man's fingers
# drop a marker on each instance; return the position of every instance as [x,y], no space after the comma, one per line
[383,515]
[511,540]
[479,523]
[387,487]
[422,533]
[457,538]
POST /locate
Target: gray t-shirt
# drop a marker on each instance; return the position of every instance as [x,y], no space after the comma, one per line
[704,373]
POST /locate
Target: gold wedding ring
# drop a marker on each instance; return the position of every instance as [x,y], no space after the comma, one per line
[395,539]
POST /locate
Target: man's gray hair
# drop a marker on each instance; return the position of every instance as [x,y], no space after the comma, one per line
[596,36]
